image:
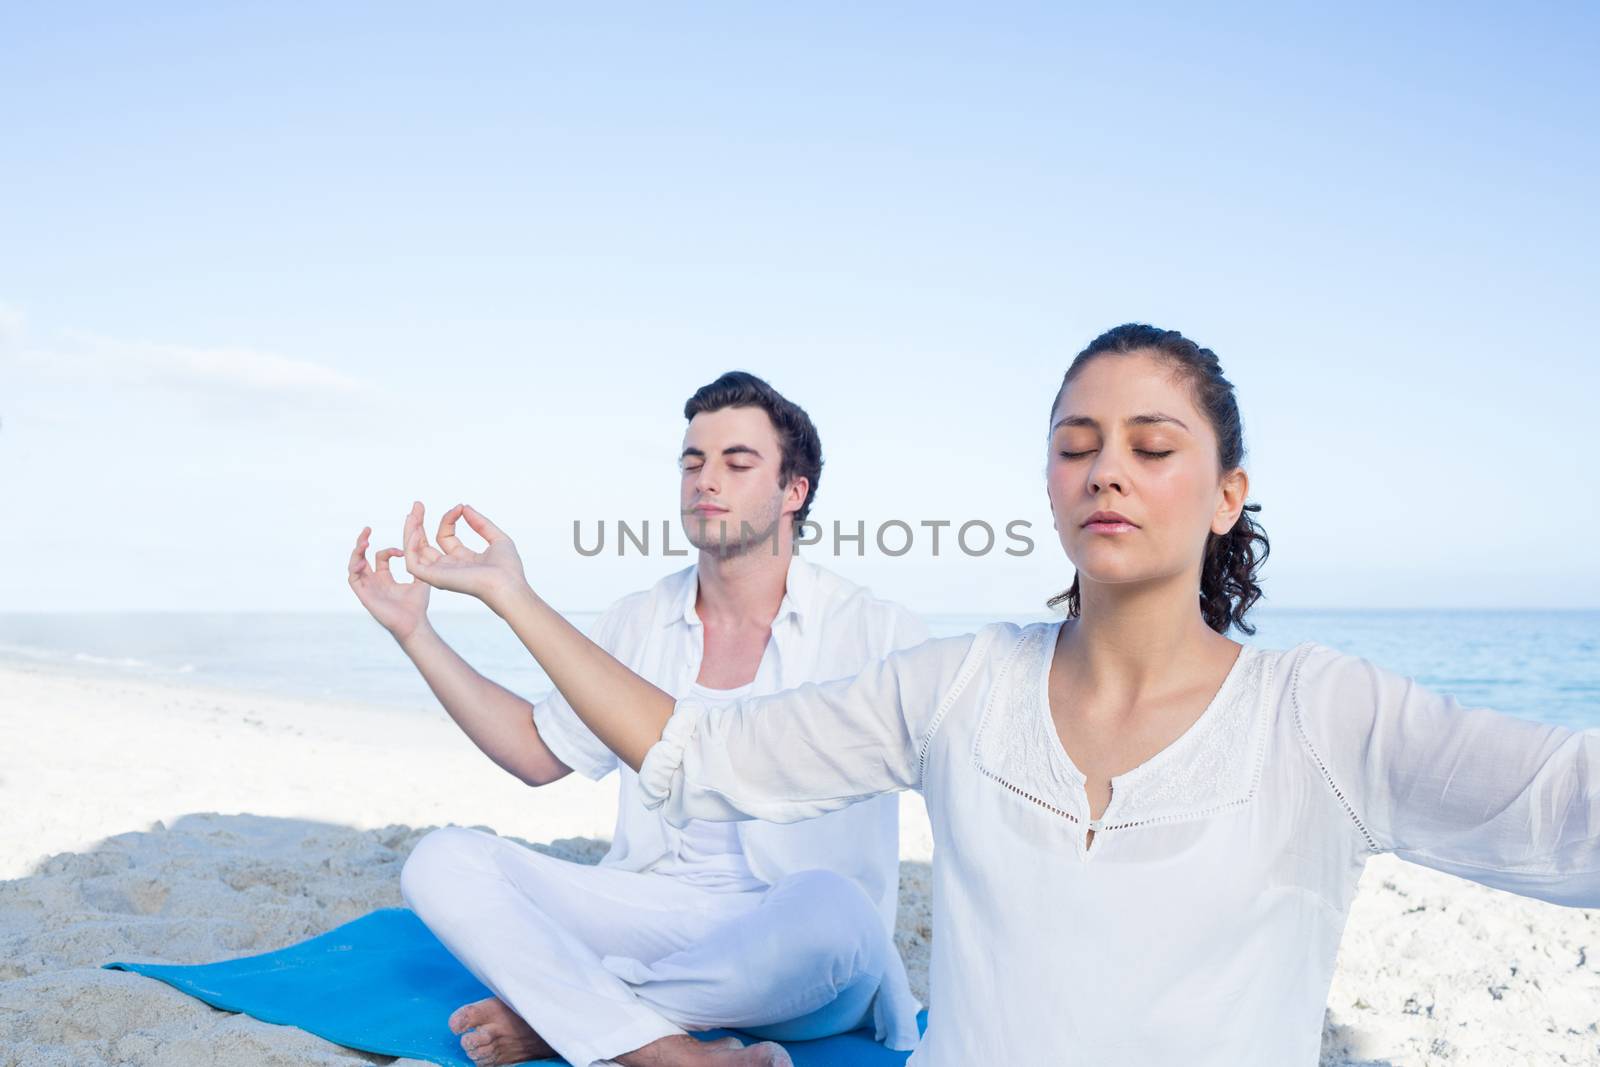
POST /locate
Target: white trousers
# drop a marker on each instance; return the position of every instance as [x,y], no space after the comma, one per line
[601,961]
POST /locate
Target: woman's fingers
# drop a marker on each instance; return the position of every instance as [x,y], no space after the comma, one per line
[416,566]
[413,520]
[448,541]
[482,526]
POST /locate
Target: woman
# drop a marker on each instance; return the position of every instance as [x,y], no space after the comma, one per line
[1147,835]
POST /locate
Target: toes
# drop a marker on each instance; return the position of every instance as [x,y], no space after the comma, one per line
[483,1051]
[775,1055]
[461,1019]
[467,1016]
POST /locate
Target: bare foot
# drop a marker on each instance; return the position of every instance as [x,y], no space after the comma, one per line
[681,1050]
[492,1033]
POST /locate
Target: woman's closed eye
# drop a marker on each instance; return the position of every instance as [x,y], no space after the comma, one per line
[1140,451]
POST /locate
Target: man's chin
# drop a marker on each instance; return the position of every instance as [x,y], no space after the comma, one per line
[720,537]
[719,549]
[729,549]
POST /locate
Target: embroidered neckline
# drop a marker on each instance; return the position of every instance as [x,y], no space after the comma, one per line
[1199,728]
[1017,745]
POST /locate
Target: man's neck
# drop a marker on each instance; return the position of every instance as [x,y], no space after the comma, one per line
[742,590]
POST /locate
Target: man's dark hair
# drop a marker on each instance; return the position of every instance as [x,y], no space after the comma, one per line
[797,437]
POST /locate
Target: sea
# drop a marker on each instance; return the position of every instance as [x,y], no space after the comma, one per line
[1542,665]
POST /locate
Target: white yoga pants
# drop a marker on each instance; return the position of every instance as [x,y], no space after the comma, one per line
[601,961]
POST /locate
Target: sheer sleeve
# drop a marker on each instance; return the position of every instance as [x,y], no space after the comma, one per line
[809,750]
[1503,801]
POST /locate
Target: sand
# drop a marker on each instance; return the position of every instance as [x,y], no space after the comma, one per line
[147,821]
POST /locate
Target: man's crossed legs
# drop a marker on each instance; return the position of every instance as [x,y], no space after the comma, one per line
[602,964]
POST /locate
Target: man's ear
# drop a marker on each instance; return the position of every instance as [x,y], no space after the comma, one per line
[795,492]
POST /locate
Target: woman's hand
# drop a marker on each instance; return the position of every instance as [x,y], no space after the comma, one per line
[400,607]
[493,575]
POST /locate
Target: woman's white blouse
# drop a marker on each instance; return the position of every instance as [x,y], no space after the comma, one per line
[1201,926]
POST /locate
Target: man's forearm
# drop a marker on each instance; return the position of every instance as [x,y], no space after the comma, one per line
[496,720]
[623,710]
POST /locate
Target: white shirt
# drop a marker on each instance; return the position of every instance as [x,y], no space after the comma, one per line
[826,627]
[1201,927]
[708,853]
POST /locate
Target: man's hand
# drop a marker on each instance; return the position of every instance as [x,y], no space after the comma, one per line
[493,575]
[400,607]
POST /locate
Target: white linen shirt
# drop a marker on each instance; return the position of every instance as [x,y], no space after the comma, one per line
[710,853]
[1201,927]
[826,627]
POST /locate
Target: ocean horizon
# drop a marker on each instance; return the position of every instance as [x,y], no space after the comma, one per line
[1539,664]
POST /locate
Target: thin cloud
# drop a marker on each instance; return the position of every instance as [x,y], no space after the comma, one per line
[57,380]
[226,369]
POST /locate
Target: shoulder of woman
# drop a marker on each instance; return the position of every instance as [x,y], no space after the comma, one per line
[1334,689]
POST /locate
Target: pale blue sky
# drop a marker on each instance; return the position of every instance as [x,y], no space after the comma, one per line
[269,272]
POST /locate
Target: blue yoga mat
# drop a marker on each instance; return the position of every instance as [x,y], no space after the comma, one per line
[383,983]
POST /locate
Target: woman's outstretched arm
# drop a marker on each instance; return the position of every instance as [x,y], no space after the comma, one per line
[813,749]
[623,710]
[783,757]
[1500,800]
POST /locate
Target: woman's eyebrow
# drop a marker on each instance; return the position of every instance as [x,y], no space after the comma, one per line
[1149,418]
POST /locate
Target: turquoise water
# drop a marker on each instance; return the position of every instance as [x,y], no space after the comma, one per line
[1538,664]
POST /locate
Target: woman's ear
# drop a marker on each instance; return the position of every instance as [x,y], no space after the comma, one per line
[1235,489]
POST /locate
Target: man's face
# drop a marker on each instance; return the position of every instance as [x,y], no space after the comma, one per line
[730,498]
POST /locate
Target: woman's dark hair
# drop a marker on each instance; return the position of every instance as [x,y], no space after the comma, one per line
[1228,586]
[797,437]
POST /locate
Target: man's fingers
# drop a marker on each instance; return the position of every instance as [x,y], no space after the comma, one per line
[484,528]
[384,573]
[358,555]
[448,541]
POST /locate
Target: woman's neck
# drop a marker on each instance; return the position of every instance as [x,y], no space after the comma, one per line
[1129,641]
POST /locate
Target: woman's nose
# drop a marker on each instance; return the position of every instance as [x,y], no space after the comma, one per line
[1104,473]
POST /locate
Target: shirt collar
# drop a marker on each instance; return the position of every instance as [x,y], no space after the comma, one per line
[798,585]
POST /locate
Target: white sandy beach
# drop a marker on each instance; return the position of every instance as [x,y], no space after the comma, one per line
[146,821]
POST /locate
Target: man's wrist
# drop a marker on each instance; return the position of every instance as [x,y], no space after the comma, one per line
[422,634]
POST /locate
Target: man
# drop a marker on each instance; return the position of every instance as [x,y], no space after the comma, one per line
[782,930]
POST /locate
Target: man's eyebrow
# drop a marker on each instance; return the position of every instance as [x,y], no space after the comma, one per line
[1149,418]
[729,451]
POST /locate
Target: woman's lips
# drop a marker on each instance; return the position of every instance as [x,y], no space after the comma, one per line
[1110,527]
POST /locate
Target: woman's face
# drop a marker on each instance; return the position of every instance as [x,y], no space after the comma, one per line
[1126,437]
